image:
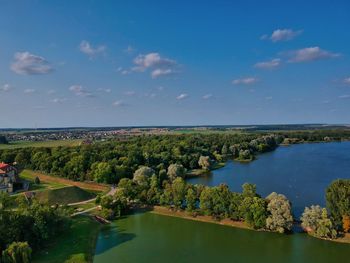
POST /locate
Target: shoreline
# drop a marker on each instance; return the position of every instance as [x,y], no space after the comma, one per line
[160,210]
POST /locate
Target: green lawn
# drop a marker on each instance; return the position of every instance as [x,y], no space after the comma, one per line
[76,245]
[23,144]
[64,195]
[30,176]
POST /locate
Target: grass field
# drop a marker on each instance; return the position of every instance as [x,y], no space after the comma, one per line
[76,245]
[64,195]
[23,144]
[44,185]
[59,181]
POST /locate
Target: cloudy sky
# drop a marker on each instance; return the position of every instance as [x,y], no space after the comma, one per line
[116,63]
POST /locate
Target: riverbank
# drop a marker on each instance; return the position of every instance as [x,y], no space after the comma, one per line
[160,210]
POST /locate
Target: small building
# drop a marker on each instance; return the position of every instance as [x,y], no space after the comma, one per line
[8,177]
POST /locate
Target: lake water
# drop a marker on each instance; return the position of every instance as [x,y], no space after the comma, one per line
[150,238]
[301,172]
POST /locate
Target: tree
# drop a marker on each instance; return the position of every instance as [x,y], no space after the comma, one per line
[244,155]
[190,199]
[129,189]
[253,210]
[249,190]
[37,180]
[175,170]
[221,200]
[142,175]
[3,140]
[179,191]
[101,172]
[338,200]
[315,221]
[153,194]
[167,197]
[234,207]
[280,218]
[204,162]
[205,201]
[17,252]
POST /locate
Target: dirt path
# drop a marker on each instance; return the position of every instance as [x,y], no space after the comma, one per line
[111,192]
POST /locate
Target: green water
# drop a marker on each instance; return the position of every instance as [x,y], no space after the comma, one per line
[154,238]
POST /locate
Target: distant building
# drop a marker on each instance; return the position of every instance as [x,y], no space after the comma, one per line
[8,177]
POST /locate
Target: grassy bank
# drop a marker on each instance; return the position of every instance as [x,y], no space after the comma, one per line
[53,143]
[77,245]
[53,180]
[65,195]
[160,210]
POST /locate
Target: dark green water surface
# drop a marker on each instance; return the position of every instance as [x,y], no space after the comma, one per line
[150,238]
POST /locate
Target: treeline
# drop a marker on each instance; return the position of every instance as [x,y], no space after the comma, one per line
[272,213]
[108,162]
[26,226]
[315,135]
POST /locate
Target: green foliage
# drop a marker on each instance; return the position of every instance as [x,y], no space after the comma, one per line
[175,170]
[179,191]
[3,140]
[204,162]
[254,212]
[101,172]
[190,199]
[249,190]
[280,217]
[338,200]
[33,222]
[315,221]
[17,252]
[37,180]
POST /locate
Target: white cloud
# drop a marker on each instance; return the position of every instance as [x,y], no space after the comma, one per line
[346,96]
[152,60]
[86,48]
[160,66]
[26,63]
[311,54]
[346,81]
[104,90]
[79,90]
[161,72]
[58,100]
[268,98]
[282,35]
[130,93]
[118,103]
[245,81]
[51,91]
[6,88]
[29,91]
[274,63]
[207,96]
[182,96]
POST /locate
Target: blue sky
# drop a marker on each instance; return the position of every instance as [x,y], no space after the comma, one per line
[117,63]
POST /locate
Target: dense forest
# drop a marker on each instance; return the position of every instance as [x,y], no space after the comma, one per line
[109,161]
